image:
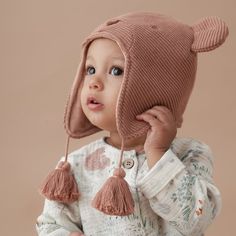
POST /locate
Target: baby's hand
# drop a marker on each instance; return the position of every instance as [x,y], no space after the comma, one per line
[76,234]
[162,131]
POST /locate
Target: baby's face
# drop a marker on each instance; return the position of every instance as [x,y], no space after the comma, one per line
[103,75]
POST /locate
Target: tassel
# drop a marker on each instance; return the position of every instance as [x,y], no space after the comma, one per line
[115,198]
[60,185]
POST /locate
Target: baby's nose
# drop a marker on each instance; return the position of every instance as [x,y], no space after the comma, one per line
[95,84]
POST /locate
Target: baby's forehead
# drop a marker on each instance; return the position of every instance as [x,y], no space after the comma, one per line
[104,44]
[103,47]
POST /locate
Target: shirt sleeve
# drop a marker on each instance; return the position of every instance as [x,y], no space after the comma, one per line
[59,219]
[181,189]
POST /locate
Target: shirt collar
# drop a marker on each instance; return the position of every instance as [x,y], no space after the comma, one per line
[115,149]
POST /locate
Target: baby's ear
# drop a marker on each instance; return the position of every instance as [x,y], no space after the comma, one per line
[209,33]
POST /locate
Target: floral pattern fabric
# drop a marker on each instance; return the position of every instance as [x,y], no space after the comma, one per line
[177,196]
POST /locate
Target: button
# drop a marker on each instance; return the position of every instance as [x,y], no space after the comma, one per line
[128,163]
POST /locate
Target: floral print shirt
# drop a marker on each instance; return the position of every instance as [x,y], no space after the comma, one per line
[177,196]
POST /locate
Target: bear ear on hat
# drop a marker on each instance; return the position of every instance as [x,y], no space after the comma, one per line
[209,33]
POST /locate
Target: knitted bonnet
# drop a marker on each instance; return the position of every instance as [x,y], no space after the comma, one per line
[160,69]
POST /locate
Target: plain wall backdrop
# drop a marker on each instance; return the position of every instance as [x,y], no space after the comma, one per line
[40,51]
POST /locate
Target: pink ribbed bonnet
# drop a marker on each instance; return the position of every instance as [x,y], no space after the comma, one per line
[160,67]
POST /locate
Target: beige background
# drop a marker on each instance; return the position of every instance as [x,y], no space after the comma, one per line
[40,47]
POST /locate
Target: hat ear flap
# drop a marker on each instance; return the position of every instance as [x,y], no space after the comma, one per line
[209,33]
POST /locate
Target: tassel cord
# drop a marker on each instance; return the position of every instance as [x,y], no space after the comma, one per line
[67,147]
[121,154]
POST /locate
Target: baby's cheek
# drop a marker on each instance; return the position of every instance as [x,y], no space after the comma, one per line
[82,99]
[82,94]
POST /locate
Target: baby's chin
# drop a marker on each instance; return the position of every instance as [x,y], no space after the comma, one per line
[100,119]
[101,122]
[105,126]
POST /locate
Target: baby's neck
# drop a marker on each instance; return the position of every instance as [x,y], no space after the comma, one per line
[132,144]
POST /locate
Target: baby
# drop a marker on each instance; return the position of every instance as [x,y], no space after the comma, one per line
[134,80]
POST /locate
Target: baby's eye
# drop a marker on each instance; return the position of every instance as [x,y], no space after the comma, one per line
[116,71]
[90,70]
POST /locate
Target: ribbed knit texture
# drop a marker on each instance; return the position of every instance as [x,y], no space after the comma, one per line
[209,34]
[160,67]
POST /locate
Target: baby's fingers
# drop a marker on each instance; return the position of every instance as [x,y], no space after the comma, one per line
[151,119]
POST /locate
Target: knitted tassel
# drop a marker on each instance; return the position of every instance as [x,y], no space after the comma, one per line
[115,197]
[60,185]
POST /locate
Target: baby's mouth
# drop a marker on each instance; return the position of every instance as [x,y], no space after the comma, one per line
[93,100]
[93,104]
